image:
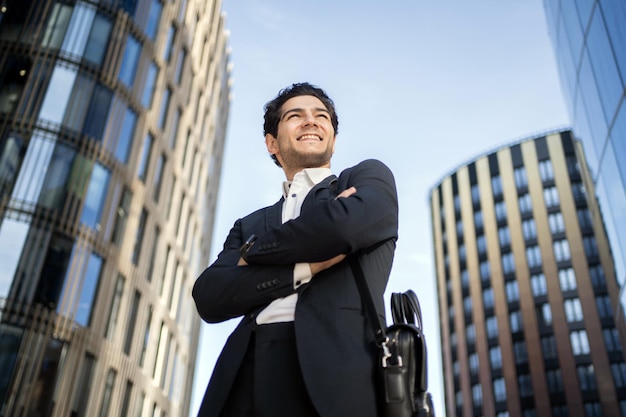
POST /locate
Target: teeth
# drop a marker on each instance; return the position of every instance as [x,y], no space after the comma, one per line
[310,137]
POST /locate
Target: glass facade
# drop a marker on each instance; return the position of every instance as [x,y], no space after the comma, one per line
[526,285]
[589,39]
[93,97]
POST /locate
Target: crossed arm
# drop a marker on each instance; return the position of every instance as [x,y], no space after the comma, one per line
[362,215]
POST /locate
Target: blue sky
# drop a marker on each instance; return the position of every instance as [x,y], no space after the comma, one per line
[423,86]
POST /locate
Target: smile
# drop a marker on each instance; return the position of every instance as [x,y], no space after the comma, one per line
[310,137]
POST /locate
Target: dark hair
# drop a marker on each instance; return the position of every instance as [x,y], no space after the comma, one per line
[273,108]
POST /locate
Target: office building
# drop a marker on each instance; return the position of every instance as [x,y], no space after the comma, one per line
[526,285]
[112,123]
[589,39]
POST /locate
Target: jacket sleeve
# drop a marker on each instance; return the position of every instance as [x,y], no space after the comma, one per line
[335,226]
[225,290]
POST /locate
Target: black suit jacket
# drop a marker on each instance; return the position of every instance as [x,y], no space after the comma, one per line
[335,342]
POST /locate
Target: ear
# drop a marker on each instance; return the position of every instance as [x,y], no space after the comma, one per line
[334,141]
[272,144]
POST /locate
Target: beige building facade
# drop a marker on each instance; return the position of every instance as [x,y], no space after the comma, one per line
[526,284]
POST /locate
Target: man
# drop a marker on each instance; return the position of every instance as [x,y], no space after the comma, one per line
[304,346]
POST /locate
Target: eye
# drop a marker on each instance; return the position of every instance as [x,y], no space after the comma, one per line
[323,116]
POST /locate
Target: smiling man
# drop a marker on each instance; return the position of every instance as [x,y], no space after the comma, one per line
[303,346]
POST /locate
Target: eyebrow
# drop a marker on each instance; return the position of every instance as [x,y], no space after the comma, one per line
[300,110]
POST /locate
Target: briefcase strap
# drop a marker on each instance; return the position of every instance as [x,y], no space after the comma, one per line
[366,296]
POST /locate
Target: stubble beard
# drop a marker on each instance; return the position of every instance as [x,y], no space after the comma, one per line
[294,158]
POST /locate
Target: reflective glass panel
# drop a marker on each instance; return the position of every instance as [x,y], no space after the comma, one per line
[96,195]
[12,237]
[128,68]
[88,290]
[98,39]
[127,133]
[148,88]
[614,14]
[58,94]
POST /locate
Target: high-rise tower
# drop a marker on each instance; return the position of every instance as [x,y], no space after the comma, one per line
[526,284]
[112,123]
[589,39]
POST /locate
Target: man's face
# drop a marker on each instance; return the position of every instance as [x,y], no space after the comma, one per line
[305,138]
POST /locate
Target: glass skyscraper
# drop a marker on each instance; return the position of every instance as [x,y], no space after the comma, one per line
[113,117]
[589,39]
[526,286]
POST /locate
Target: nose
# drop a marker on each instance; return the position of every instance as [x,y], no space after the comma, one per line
[309,119]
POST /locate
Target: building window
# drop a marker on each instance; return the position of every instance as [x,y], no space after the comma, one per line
[475,190]
[180,65]
[492,327]
[139,236]
[619,374]
[169,42]
[544,314]
[477,395]
[525,204]
[593,409]
[533,255]
[128,69]
[462,253]
[584,219]
[604,307]
[121,215]
[496,186]
[495,358]
[142,171]
[56,26]
[551,197]
[521,180]
[545,170]
[580,343]
[459,228]
[457,203]
[488,298]
[158,178]
[557,225]
[580,195]
[500,209]
[127,133]
[555,381]
[515,319]
[538,285]
[521,354]
[499,389]
[108,393]
[548,347]
[611,339]
[512,291]
[591,247]
[81,394]
[481,243]
[473,363]
[467,306]
[470,334]
[567,279]
[126,401]
[95,197]
[148,87]
[98,39]
[132,319]
[84,306]
[597,275]
[561,250]
[164,110]
[573,310]
[464,279]
[478,220]
[525,385]
[146,339]
[485,271]
[587,377]
[529,229]
[114,311]
[508,263]
[504,235]
[154,18]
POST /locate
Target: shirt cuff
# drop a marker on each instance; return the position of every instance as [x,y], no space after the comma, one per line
[301,274]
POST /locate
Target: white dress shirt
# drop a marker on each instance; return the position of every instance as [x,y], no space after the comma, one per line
[283,309]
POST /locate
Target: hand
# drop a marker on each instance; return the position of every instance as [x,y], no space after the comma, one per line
[317,267]
[346,193]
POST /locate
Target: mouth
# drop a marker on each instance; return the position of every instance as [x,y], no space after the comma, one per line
[308,137]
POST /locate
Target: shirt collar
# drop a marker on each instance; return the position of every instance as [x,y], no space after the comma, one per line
[314,175]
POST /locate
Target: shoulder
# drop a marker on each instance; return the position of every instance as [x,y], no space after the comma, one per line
[368,167]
